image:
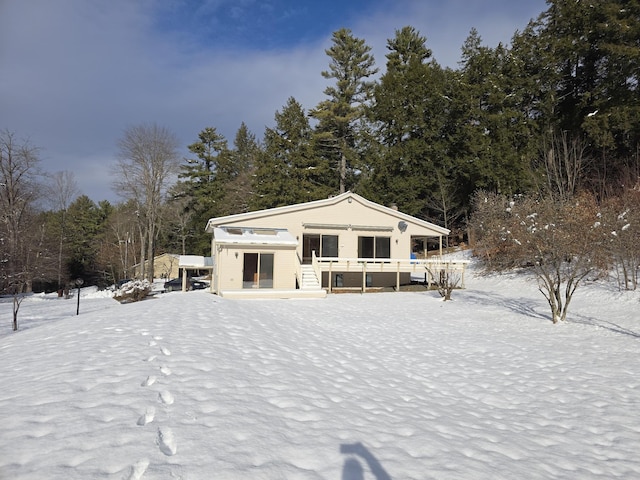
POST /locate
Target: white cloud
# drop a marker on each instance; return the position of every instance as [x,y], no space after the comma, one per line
[76,73]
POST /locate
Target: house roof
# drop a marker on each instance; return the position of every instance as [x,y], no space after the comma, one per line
[248,216]
[195,261]
[253,236]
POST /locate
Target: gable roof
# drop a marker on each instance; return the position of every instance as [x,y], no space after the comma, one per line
[220,221]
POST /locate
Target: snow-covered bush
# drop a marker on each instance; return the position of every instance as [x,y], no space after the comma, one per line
[562,243]
[133,291]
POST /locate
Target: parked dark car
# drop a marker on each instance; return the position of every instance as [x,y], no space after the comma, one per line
[175,285]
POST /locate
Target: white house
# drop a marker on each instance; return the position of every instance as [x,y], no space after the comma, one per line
[307,249]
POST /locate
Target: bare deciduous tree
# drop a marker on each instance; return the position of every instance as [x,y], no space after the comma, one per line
[561,242]
[118,252]
[444,201]
[564,162]
[18,192]
[180,216]
[622,221]
[147,163]
[63,188]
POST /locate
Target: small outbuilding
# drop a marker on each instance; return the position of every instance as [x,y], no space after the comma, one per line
[164,266]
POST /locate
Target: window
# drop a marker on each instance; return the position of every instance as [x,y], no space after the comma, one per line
[374,247]
[323,245]
[258,270]
[329,246]
[383,247]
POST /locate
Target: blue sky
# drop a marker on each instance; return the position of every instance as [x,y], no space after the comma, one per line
[77,73]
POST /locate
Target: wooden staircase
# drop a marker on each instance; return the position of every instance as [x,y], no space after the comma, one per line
[309,279]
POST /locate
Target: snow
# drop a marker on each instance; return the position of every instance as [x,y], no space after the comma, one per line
[377,386]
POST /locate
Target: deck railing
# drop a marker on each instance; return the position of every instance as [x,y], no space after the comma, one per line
[431,267]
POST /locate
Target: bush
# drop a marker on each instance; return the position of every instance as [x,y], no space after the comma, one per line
[446,280]
[133,291]
[561,242]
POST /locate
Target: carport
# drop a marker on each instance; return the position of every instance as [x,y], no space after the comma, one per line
[195,263]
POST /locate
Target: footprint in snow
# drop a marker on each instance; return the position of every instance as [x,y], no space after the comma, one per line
[150,380]
[165,351]
[138,469]
[166,441]
[150,359]
[147,417]
[152,343]
[165,370]
[165,397]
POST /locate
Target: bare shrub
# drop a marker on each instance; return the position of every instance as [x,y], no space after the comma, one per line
[446,281]
[560,242]
[621,217]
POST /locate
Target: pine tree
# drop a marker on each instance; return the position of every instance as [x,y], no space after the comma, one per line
[290,170]
[490,132]
[85,227]
[199,193]
[589,83]
[238,170]
[351,66]
[409,113]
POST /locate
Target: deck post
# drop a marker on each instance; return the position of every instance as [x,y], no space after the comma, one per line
[397,276]
[184,279]
[364,277]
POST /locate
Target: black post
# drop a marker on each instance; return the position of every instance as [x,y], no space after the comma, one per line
[79,283]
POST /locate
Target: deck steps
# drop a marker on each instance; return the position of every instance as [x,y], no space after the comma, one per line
[309,279]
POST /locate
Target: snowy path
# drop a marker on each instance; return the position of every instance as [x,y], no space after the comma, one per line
[351,387]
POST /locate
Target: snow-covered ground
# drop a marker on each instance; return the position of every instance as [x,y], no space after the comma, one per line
[352,387]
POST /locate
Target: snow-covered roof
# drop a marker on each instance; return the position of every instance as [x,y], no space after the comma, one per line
[195,261]
[232,235]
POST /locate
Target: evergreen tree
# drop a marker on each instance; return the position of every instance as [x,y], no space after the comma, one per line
[410,111]
[590,85]
[198,176]
[290,170]
[199,189]
[86,222]
[490,133]
[351,66]
[238,170]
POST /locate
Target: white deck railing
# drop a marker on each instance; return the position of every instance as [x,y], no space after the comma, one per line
[430,267]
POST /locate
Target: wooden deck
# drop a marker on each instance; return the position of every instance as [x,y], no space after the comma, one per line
[430,267]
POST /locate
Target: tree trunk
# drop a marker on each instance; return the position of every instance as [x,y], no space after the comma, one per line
[16,307]
[343,172]
[150,253]
[143,247]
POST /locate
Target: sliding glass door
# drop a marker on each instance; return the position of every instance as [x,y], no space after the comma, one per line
[258,270]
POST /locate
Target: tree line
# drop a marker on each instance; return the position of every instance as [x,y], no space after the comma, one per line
[554,113]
